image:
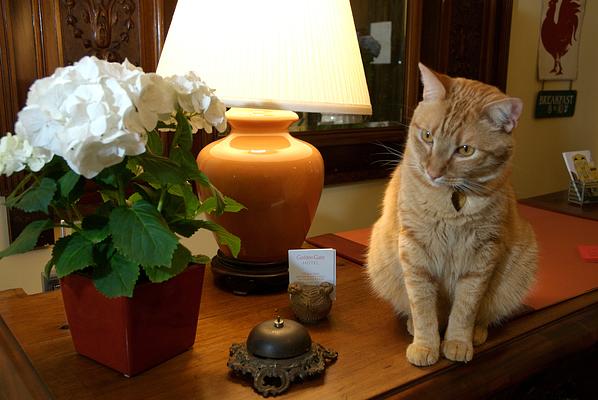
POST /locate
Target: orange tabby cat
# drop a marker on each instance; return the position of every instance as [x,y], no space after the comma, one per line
[450,250]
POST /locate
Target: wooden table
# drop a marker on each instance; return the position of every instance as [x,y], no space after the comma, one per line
[370,341]
[557,201]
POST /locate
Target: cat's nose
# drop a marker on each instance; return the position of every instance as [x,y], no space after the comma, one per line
[433,174]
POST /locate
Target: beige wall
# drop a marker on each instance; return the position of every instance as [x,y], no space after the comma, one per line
[342,207]
[539,166]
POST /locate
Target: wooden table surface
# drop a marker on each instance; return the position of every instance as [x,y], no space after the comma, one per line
[371,343]
[557,201]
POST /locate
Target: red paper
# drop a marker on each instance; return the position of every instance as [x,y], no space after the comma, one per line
[588,252]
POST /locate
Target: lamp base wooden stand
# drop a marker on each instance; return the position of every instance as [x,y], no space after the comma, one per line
[245,278]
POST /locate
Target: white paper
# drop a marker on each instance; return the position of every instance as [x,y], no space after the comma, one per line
[313,266]
[381,31]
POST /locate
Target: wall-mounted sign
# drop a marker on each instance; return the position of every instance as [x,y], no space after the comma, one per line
[555,103]
[559,39]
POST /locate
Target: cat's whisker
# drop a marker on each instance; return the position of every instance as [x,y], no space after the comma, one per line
[389,150]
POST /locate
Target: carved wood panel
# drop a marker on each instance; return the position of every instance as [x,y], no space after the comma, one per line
[107,29]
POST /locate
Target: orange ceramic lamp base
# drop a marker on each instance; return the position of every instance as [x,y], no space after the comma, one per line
[278,179]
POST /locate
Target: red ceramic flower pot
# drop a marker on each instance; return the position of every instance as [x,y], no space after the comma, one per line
[134,334]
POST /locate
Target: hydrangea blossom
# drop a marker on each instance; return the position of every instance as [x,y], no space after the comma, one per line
[94,113]
[16,154]
[194,96]
[78,113]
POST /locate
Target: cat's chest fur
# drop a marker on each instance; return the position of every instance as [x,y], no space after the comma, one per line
[449,239]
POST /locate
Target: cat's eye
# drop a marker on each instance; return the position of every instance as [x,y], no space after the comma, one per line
[465,150]
[426,136]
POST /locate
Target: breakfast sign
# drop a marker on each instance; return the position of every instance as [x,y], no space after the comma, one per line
[555,103]
[558,50]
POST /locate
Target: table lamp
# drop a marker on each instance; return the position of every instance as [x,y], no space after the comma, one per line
[266,59]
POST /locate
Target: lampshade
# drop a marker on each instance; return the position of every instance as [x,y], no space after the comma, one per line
[298,55]
[266,59]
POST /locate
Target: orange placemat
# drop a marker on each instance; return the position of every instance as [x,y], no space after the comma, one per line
[562,273]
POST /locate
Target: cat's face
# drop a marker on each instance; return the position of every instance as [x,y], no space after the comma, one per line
[460,134]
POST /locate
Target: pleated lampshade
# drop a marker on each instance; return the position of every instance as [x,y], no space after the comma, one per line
[275,54]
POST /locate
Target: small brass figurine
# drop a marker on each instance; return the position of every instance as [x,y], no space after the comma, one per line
[311,303]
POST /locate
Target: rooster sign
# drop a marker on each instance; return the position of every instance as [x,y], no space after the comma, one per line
[559,39]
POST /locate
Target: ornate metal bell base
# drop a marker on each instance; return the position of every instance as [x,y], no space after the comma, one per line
[272,377]
[243,277]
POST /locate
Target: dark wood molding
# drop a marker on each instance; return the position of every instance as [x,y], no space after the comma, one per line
[468,38]
[415,12]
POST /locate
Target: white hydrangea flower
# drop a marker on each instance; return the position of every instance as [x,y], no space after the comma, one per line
[16,153]
[156,102]
[78,113]
[195,97]
[94,113]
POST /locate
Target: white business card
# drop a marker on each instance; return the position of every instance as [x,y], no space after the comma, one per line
[313,266]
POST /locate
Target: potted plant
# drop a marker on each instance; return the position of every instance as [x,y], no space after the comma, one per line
[131,289]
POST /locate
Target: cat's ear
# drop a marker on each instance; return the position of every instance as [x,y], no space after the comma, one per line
[504,113]
[433,87]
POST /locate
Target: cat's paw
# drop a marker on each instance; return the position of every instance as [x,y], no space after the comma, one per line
[422,355]
[480,334]
[457,350]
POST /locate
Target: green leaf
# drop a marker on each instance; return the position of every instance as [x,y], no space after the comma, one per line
[180,260]
[140,234]
[188,227]
[38,197]
[109,195]
[95,228]
[67,183]
[154,143]
[110,176]
[191,201]
[147,192]
[162,169]
[200,259]
[187,161]
[14,197]
[224,237]
[28,238]
[75,255]
[230,205]
[174,208]
[118,278]
[135,197]
[202,179]
[183,136]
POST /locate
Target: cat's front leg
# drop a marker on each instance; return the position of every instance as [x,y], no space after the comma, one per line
[458,338]
[422,291]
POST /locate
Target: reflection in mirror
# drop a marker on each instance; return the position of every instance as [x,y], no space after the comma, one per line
[381,32]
